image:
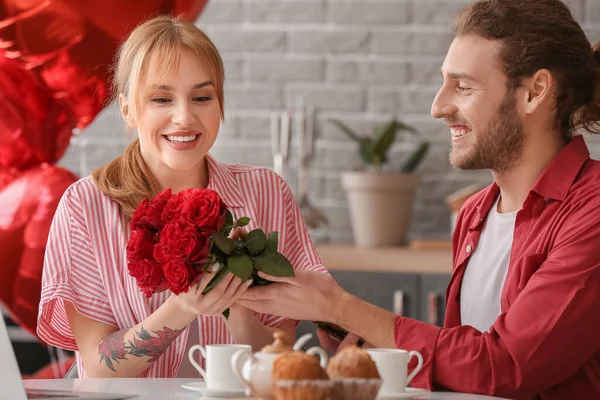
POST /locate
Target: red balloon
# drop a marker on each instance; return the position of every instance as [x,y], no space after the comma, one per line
[27,206]
[71,43]
[55,61]
[34,127]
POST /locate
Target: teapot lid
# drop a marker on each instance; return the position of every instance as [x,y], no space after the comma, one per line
[279,345]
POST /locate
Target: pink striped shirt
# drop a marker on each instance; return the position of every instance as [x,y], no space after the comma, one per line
[86,261]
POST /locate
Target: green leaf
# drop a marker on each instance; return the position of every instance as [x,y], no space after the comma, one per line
[228,225]
[226,229]
[256,241]
[344,128]
[229,217]
[272,242]
[384,138]
[215,281]
[404,127]
[243,221]
[274,264]
[258,281]
[241,266]
[366,151]
[415,159]
[225,244]
[218,253]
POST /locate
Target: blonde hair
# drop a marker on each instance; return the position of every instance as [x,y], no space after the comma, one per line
[158,43]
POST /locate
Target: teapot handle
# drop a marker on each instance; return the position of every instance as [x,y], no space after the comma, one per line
[323,357]
[237,364]
[302,341]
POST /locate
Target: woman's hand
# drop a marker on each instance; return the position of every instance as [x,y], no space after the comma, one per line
[220,297]
[217,300]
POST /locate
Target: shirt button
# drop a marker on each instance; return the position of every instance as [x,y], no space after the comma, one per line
[469,248]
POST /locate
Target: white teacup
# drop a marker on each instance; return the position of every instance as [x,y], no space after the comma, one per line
[392,365]
[219,374]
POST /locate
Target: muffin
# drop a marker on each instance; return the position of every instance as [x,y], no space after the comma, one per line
[354,374]
[352,362]
[298,376]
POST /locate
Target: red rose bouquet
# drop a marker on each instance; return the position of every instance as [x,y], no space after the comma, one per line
[175,238]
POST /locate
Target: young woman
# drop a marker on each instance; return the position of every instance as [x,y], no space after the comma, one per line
[169,81]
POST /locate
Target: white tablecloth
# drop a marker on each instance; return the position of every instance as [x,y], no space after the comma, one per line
[170,389]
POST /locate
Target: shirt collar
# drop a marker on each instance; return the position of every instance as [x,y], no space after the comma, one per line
[559,176]
[554,183]
[485,204]
[222,181]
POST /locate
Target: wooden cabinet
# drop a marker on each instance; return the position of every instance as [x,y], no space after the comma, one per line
[394,292]
[432,298]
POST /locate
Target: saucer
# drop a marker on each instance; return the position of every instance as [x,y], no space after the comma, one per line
[409,393]
[215,393]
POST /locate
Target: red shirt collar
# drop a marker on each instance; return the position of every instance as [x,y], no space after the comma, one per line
[553,183]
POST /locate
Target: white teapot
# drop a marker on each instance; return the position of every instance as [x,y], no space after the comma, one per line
[254,370]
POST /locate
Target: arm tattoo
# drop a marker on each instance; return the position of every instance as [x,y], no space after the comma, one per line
[114,348]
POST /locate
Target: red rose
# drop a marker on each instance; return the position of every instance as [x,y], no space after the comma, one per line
[149,212]
[204,209]
[141,244]
[180,240]
[139,215]
[179,275]
[172,210]
[148,274]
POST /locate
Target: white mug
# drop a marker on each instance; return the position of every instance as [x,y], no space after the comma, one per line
[392,365]
[219,374]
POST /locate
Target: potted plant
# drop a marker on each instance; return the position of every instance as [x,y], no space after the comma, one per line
[381,199]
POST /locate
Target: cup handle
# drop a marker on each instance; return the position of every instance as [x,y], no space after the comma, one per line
[417,368]
[194,363]
[237,364]
[323,358]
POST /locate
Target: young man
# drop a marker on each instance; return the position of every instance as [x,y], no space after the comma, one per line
[523,307]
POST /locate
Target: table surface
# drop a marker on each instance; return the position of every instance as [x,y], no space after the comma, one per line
[170,389]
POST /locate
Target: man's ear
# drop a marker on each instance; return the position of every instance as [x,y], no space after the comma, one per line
[126,111]
[538,90]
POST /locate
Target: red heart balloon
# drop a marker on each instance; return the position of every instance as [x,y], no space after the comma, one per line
[54,76]
[27,206]
[35,128]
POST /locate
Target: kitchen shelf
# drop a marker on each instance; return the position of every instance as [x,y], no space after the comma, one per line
[385,259]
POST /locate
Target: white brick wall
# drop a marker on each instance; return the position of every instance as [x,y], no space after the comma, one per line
[363,61]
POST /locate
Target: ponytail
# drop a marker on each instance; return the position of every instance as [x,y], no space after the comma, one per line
[127,179]
[590,117]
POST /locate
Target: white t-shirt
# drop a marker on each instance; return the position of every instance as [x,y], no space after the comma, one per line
[486,271]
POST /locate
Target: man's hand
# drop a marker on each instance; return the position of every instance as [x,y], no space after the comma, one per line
[307,296]
[332,345]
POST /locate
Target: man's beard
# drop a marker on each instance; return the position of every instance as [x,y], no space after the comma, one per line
[499,146]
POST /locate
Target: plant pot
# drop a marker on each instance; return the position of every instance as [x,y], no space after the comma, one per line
[380,206]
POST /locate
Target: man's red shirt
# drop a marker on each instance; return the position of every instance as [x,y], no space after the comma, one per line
[546,343]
